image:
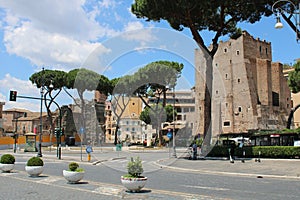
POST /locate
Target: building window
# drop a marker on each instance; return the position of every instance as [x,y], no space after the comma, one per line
[240,109]
[217,92]
[230,61]
[266,51]
[237,52]
[226,123]
[239,80]
[225,50]
[259,49]
[226,76]
[275,98]
[216,64]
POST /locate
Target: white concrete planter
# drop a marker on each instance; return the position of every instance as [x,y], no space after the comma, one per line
[34,171]
[73,177]
[134,184]
[6,167]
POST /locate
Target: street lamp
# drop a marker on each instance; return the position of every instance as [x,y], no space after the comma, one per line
[41,117]
[293,11]
[174,147]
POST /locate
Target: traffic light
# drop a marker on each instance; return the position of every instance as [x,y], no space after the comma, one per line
[13,95]
[56,132]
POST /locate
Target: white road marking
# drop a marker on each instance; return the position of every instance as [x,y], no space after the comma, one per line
[207,188]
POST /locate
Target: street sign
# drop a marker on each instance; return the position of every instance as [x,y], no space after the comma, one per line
[81,130]
[89,149]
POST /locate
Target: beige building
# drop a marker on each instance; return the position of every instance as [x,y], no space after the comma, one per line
[249,91]
[128,111]
[23,121]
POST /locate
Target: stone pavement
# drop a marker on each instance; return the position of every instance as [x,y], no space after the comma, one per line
[273,168]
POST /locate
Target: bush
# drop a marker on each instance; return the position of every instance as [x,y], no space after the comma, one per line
[134,167]
[74,167]
[7,159]
[256,151]
[35,161]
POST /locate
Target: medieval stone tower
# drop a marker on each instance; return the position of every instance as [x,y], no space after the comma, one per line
[249,91]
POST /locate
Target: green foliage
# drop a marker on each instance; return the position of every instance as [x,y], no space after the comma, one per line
[7,159]
[199,142]
[35,161]
[149,113]
[220,17]
[134,167]
[294,79]
[46,77]
[73,166]
[256,151]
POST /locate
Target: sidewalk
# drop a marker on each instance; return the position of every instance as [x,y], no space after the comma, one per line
[273,168]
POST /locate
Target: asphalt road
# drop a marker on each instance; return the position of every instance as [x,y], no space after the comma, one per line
[102,180]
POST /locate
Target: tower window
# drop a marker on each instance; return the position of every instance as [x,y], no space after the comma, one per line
[237,52]
[226,123]
[240,109]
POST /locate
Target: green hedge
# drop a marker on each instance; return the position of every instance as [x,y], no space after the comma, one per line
[253,152]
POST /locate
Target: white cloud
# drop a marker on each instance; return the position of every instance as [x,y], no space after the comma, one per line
[43,48]
[136,31]
[24,88]
[107,3]
[52,32]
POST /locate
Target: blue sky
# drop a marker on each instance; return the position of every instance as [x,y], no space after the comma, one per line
[103,36]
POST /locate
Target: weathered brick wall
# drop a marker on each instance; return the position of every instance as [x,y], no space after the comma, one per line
[244,79]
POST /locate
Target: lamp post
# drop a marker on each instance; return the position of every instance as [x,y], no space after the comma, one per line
[174,147]
[292,10]
[41,118]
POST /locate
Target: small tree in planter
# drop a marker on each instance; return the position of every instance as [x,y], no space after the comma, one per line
[133,181]
[7,162]
[74,174]
[34,166]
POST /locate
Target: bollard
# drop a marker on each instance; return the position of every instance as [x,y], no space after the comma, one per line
[258,159]
[230,157]
[89,157]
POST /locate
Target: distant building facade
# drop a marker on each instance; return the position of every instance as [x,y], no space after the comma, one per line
[249,91]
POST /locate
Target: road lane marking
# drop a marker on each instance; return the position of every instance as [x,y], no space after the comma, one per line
[206,188]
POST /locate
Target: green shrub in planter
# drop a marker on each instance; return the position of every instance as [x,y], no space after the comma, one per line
[7,159]
[135,168]
[74,167]
[35,161]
